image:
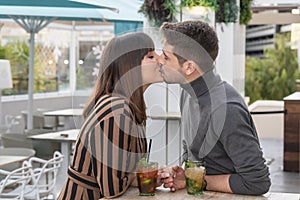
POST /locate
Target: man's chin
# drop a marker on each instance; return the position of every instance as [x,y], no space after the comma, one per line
[169,81]
[172,79]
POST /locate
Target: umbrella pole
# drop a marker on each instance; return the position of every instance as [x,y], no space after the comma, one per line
[30,83]
[73,60]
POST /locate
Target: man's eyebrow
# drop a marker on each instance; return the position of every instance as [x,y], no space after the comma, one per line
[164,53]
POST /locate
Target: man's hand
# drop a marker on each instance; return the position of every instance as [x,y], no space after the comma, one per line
[173,179]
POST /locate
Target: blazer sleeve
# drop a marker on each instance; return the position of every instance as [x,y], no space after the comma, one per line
[114,154]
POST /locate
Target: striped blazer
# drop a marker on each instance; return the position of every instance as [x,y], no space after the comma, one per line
[107,149]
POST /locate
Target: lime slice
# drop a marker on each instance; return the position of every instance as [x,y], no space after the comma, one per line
[147,181]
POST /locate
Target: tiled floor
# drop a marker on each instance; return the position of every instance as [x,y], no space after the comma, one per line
[281,181]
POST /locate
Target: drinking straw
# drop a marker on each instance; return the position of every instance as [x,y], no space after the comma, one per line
[149,149]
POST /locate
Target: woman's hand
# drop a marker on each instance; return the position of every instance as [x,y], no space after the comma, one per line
[164,173]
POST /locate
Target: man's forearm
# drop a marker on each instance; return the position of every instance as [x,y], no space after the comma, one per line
[219,183]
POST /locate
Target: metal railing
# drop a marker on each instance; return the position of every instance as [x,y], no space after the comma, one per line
[268,112]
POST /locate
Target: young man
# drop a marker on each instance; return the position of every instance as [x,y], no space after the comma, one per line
[216,123]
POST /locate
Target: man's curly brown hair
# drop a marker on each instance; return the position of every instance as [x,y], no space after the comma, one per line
[192,40]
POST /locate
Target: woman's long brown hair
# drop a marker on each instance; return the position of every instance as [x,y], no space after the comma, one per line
[120,72]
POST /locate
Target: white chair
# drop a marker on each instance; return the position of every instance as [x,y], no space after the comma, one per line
[44,177]
[13,185]
[10,121]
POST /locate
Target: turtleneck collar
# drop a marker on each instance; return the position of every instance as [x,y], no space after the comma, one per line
[202,84]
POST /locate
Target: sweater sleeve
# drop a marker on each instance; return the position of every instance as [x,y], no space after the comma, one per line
[240,142]
[115,155]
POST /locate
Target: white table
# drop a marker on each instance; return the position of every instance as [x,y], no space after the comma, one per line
[73,117]
[165,194]
[65,138]
[9,159]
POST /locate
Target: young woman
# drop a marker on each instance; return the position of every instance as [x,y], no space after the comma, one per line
[112,139]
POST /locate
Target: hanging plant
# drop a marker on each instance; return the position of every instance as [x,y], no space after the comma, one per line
[245,11]
[227,11]
[203,10]
[206,3]
[159,11]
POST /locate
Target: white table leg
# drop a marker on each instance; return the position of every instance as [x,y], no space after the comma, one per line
[69,123]
[73,122]
[62,173]
[65,150]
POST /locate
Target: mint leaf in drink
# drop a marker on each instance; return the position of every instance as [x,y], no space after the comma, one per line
[189,164]
[143,162]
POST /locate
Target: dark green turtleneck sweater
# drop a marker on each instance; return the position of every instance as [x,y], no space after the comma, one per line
[218,128]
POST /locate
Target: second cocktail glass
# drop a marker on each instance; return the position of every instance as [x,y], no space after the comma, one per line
[195,174]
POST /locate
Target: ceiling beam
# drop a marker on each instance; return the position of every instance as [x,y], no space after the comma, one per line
[285,7]
[274,18]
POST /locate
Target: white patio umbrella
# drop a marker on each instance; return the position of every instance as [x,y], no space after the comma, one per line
[60,3]
[35,17]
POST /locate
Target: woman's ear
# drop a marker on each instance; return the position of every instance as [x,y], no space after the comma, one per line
[189,67]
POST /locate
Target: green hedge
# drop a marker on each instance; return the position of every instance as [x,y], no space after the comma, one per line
[273,77]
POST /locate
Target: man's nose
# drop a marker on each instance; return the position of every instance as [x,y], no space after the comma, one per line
[161,60]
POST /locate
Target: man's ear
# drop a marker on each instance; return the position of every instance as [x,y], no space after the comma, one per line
[189,67]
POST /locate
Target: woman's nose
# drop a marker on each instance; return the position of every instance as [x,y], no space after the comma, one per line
[156,57]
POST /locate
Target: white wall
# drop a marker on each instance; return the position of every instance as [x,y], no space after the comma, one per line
[230,63]
[268,125]
[155,98]
[166,146]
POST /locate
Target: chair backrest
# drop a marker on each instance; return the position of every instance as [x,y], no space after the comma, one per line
[50,122]
[18,178]
[37,120]
[45,176]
